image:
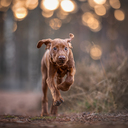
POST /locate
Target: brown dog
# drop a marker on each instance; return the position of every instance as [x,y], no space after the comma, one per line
[57,62]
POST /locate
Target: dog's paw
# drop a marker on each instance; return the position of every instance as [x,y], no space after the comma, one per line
[58,102]
[45,114]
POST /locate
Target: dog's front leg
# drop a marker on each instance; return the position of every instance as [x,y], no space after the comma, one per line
[57,99]
[68,81]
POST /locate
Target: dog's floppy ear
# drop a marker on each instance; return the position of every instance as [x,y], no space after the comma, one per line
[70,45]
[69,40]
[47,42]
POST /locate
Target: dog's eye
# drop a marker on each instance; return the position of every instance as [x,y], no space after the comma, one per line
[55,48]
[66,48]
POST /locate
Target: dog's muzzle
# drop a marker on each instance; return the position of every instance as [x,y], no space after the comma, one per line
[61,60]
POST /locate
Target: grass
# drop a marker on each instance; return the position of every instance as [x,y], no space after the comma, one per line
[43,118]
[9,116]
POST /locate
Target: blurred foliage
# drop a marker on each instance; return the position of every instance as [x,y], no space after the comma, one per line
[98,90]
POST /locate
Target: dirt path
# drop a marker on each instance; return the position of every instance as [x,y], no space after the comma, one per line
[14,106]
[78,120]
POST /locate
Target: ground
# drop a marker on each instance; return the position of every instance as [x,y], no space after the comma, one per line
[76,120]
[22,110]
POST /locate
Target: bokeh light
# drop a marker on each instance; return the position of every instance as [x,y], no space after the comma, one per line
[20,13]
[115,4]
[67,5]
[95,52]
[100,1]
[62,15]
[19,9]
[5,3]
[92,3]
[100,10]
[50,4]
[67,19]
[31,4]
[86,16]
[55,23]
[17,4]
[94,24]
[47,14]
[119,15]
[88,19]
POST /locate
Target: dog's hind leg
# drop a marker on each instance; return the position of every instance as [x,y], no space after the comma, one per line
[44,89]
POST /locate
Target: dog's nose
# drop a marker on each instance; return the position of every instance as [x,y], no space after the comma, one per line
[61,57]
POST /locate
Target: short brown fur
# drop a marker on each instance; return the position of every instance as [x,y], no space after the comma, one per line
[57,62]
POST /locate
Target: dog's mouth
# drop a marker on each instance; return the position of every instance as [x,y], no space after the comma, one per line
[61,62]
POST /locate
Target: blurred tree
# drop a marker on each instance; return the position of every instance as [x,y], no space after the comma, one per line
[1,44]
[9,51]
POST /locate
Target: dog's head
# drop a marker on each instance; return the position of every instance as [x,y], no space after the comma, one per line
[59,49]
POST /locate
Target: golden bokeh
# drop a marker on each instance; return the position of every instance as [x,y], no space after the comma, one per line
[96,27]
[47,14]
[119,15]
[67,5]
[115,4]
[18,4]
[95,52]
[20,13]
[31,4]
[100,10]
[19,9]
[49,4]
[100,1]
[86,16]
[92,3]
[88,19]
[93,24]
[5,3]
[67,19]
[62,15]
[55,23]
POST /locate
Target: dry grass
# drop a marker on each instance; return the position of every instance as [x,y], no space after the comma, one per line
[100,87]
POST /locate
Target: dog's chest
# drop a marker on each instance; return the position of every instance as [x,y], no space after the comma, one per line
[62,70]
